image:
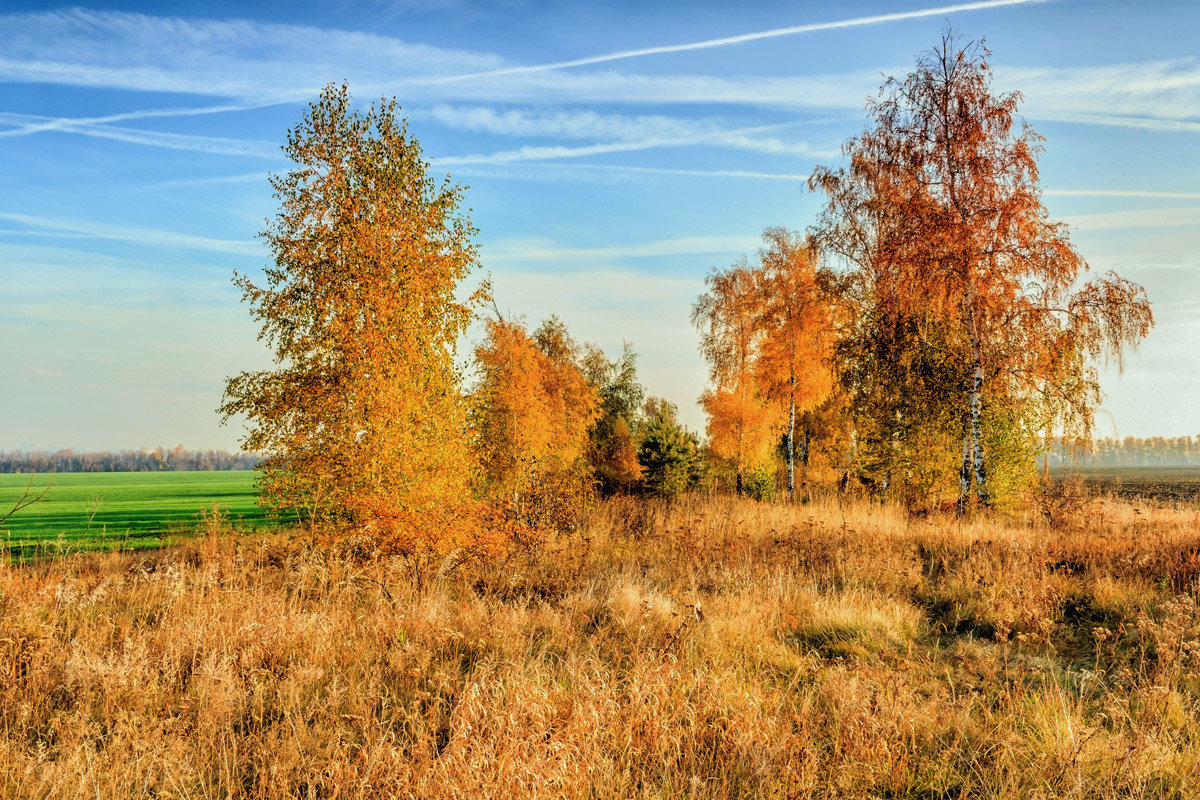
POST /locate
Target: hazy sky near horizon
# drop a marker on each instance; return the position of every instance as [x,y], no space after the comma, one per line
[615,153]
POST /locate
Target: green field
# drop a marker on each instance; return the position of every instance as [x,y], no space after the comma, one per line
[122,509]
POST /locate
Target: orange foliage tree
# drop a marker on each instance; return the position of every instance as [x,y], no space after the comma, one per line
[361,421]
[729,318]
[793,364]
[766,330]
[533,412]
[940,219]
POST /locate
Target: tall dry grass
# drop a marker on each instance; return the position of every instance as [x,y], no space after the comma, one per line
[707,649]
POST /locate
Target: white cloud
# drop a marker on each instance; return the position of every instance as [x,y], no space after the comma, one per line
[1122,193]
[245,177]
[31,124]
[173,141]
[256,63]
[265,62]
[732,139]
[830,91]
[1108,120]
[630,132]
[543,250]
[223,58]
[1159,218]
[609,173]
[534,153]
[1142,94]
[561,124]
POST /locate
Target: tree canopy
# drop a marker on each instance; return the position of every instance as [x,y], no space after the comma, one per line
[533,408]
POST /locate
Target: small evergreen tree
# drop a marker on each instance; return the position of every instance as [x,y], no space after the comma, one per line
[616,432]
[669,453]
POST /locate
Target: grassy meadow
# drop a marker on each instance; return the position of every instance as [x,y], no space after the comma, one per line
[120,509]
[709,648]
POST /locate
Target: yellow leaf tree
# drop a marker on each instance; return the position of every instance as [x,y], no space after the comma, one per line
[729,318]
[793,364]
[533,411]
[361,421]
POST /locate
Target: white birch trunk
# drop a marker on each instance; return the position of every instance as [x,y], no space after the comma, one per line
[977,429]
[964,473]
[791,442]
[973,460]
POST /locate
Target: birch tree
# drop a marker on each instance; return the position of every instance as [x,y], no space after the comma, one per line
[795,327]
[939,216]
[361,422]
[729,318]
[533,411]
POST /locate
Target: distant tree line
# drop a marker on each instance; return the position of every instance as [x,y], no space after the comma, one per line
[1131,451]
[160,459]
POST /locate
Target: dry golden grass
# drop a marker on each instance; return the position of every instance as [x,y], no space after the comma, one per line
[708,649]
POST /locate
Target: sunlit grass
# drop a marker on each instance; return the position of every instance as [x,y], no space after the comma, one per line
[711,648]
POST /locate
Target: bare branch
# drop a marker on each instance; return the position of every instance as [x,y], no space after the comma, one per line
[27,498]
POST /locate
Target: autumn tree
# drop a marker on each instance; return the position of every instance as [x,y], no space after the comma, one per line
[533,411]
[795,325]
[361,422]
[766,331]
[728,317]
[938,216]
[895,378]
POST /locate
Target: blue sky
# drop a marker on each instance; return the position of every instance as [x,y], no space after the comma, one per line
[615,152]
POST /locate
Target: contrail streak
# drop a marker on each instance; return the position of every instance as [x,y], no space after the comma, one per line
[40,124]
[875,19]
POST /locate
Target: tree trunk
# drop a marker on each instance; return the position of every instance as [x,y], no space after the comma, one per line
[973,461]
[964,473]
[791,443]
[977,430]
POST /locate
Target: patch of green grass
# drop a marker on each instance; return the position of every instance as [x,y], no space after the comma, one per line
[101,510]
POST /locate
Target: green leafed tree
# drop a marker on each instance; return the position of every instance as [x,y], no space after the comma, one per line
[669,453]
[615,433]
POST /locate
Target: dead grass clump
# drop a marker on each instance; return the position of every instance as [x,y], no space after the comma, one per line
[1063,502]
